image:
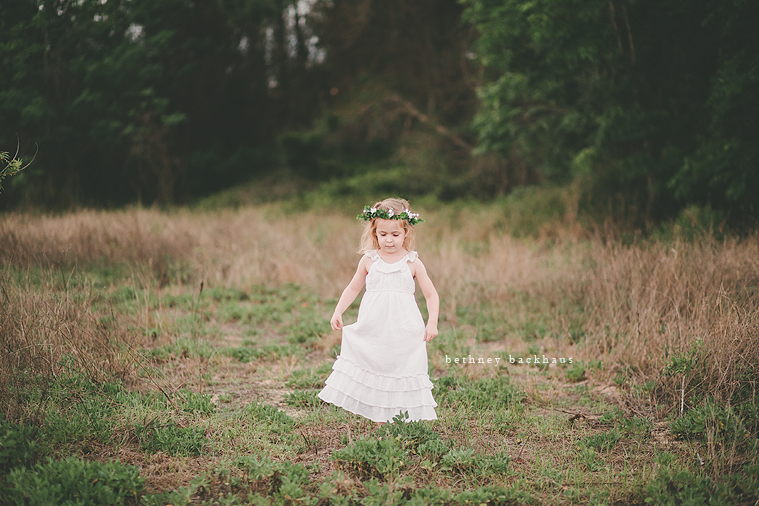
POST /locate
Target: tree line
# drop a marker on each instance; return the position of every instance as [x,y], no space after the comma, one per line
[653,103]
[648,106]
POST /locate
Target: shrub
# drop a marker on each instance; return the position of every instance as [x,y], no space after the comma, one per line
[17,445]
[709,419]
[284,478]
[409,435]
[674,488]
[462,461]
[369,458]
[74,482]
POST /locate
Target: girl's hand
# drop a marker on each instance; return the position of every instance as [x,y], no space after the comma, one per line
[430,332]
[336,321]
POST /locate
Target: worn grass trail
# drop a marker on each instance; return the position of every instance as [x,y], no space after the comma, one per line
[553,432]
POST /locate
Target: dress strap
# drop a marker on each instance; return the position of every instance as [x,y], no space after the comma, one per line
[411,256]
[373,254]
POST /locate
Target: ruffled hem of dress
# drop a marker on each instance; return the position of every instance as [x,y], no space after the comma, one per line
[384,382]
[380,398]
[376,413]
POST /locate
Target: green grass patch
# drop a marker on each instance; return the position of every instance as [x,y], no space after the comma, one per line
[276,421]
[310,378]
[488,394]
[252,353]
[171,439]
[603,441]
[182,348]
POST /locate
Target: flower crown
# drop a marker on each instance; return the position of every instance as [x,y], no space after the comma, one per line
[370,213]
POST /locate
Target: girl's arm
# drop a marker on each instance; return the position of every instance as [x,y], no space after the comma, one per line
[433,300]
[350,293]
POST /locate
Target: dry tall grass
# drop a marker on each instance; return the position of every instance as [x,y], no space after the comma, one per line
[45,330]
[638,305]
[647,304]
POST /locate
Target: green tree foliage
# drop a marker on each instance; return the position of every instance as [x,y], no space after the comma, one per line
[146,99]
[56,87]
[417,49]
[8,167]
[398,98]
[654,102]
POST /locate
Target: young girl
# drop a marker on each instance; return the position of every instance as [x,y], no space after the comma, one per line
[382,367]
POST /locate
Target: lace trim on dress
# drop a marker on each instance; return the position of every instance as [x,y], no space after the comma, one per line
[375,413]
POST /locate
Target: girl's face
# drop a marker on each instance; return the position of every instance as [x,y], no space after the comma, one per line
[390,235]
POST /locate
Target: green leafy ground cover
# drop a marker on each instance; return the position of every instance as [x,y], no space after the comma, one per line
[223,411]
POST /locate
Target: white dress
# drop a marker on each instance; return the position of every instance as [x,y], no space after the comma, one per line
[382,367]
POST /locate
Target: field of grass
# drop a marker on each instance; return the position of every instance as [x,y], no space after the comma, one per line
[174,357]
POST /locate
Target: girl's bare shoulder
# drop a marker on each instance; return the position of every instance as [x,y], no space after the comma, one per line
[365,262]
[416,264]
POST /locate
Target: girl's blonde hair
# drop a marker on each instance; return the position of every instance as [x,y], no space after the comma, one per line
[369,237]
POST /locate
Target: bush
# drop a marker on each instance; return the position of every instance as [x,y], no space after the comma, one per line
[281,479]
[674,488]
[409,435]
[461,461]
[74,482]
[709,419]
[369,458]
[16,445]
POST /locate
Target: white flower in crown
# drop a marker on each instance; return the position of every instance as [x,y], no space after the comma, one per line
[391,212]
[373,210]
